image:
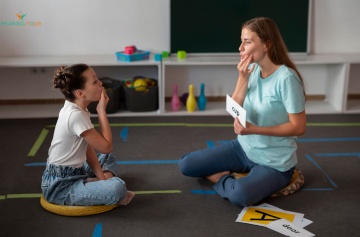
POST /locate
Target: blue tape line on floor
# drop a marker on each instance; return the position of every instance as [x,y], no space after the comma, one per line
[338,154]
[210,144]
[310,159]
[204,191]
[98,230]
[36,164]
[124,133]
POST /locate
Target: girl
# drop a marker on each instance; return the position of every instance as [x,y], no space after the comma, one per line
[270,89]
[75,174]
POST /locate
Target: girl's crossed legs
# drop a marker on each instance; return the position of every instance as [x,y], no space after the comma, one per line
[261,182]
[65,185]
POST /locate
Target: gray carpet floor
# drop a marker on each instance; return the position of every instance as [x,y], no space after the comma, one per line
[334,211]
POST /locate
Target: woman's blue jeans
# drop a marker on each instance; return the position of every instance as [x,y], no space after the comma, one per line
[64,185]
[261,182]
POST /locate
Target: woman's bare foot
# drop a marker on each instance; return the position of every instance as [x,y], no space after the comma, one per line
[215,177]
[127,199]
[108,175]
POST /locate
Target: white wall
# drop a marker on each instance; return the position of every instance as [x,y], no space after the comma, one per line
[335,26]
[93,27]
[84,27]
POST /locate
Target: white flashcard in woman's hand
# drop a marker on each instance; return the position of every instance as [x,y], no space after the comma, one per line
[235,110]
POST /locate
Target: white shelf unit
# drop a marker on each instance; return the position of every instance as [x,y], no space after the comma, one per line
[334,75]
[103,65]
[325,74]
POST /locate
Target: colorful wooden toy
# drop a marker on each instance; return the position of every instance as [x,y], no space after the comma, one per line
[202,98]
[129,50]
[128,83]
[165,54]
[149,82]
[181,54]
[191,102]
[157,57]
[131,47]
[140,85]
[175,102]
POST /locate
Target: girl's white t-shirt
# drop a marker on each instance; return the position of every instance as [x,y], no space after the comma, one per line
[68,148]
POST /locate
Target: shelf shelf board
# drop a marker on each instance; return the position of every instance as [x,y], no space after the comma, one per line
[212,108]
[352,57]
[55,61]
[218,108]
[234,60]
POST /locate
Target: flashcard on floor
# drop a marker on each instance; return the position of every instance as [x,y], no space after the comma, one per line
[263,216]
[235,110]
[288,228]
[304,222]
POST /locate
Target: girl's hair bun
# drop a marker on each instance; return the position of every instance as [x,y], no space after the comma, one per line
[70,78]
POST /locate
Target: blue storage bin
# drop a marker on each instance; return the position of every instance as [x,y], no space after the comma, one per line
[138,55]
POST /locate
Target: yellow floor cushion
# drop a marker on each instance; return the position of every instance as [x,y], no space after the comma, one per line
[74,210]
[295,183]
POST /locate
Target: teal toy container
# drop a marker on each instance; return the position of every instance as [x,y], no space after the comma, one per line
[136,56]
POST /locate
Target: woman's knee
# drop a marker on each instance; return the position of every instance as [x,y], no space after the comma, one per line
[184,165]
[241,196]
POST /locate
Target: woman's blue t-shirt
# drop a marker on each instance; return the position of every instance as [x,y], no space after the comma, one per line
[267,103]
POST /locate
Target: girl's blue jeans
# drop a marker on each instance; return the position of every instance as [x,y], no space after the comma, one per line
[64,185]
[261,182]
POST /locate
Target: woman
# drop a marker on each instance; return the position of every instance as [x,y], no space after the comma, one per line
[74,173]
[270,89]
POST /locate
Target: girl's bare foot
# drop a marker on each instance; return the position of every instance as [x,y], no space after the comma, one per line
[215,177]
[127,199]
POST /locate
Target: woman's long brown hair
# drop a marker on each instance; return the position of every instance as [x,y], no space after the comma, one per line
[267,31]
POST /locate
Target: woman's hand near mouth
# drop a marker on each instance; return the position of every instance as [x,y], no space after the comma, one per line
[243,67]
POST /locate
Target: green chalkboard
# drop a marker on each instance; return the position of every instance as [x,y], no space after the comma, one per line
[214,26]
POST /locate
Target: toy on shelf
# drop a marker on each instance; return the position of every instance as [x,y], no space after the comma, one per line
[129,83]
[149,82]
[202,98]
[130,49]
[184,98]
[165,54]
[181,54]
[191,102]
[140,85]
[131,53]
[175,102]
[158,57]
